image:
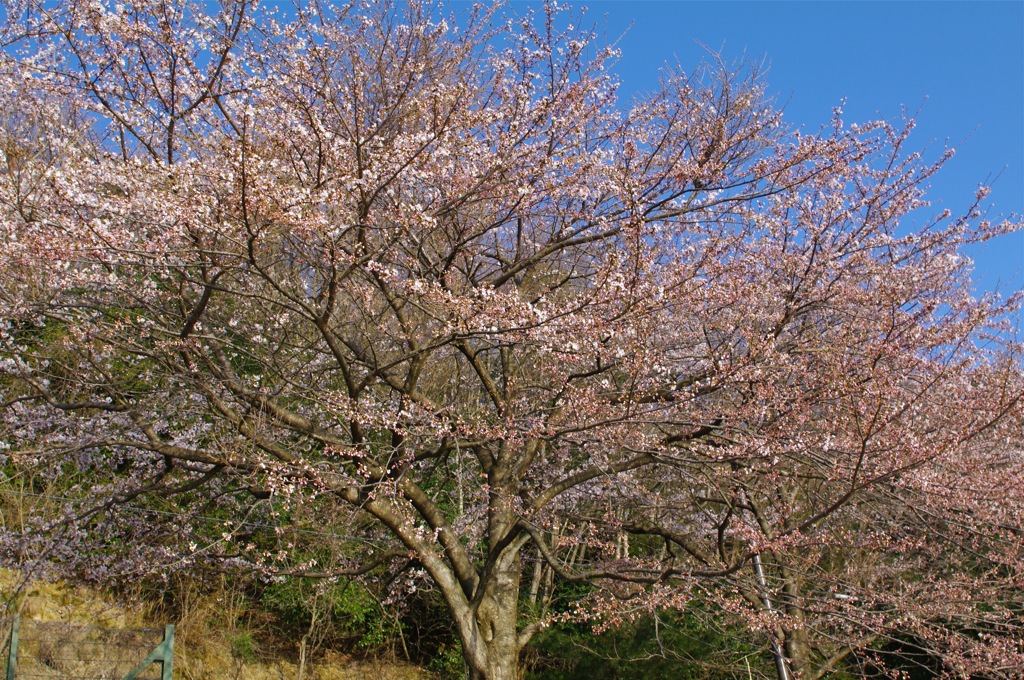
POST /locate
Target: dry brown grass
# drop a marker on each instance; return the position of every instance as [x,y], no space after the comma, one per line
[73,631]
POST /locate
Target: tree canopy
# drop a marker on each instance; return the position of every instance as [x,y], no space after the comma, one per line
[425,277]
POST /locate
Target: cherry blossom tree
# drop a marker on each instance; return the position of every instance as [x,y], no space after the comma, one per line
[427,276]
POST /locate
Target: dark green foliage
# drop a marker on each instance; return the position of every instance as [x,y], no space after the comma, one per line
[447,663]
[669,646]
[343,613]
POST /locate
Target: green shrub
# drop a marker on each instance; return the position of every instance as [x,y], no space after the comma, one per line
[243,646]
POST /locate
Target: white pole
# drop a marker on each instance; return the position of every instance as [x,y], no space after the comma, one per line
[780,659]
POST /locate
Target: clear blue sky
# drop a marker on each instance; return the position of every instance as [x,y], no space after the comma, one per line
[961,63]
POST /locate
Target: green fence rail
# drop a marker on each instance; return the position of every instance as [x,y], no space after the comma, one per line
[51,650]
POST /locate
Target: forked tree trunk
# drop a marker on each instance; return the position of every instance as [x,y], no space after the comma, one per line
[490,641]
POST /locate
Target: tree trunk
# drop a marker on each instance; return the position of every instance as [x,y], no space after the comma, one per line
[798,651]
[488,627]
[493,645]
[302,658]
[797,644]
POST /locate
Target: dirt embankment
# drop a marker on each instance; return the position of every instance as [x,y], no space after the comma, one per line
[75,631]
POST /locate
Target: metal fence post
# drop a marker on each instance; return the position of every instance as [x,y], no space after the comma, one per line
[12,655]
[168,660]
[163,652]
